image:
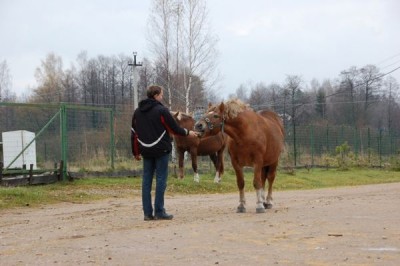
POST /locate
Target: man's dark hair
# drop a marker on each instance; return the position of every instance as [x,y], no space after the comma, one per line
[153,91]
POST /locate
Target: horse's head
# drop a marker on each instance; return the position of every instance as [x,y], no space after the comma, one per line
[183,120]
[211,122]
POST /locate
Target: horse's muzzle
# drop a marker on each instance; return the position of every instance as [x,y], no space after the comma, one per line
[199,128]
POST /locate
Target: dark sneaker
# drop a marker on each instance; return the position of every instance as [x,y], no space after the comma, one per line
[148,217]
[163,216]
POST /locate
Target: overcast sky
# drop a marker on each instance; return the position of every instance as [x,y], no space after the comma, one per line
[259,40]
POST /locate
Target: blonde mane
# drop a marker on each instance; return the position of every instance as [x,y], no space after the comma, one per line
[233,107]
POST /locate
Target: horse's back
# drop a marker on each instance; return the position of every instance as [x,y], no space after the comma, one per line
[275,130]
[273,118]
[271,115]
[262,139]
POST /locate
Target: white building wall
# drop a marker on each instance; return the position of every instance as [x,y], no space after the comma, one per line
[13,143]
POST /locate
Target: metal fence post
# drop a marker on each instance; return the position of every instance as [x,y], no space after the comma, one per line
[112,144]
[312,145]
[369,145]
[380,147]
[327,139]
[63,137]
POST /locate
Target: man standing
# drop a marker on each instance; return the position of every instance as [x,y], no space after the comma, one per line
[152,124]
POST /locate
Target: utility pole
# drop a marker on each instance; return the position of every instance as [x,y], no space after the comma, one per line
[135,80]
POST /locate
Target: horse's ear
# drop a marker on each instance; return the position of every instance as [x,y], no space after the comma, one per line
[222,107]
[178,116]
[175,114]
[209,105]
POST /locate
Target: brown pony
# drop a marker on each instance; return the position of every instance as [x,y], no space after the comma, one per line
[212,146]
[256,140]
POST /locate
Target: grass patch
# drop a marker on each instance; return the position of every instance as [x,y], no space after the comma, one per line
[89,189]
[321,178]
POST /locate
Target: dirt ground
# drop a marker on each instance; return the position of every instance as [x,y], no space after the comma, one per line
[342,226]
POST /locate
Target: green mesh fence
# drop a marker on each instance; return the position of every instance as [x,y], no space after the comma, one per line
[334,145]
[80,136]
[94,139]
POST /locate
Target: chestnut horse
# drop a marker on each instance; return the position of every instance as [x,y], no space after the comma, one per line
[256,140]
[212,146]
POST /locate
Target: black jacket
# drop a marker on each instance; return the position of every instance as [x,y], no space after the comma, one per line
[152,124]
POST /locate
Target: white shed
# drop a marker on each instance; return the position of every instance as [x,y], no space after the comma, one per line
[13,143]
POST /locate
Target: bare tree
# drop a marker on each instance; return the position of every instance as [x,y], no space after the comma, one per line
[49,77]
[392,93]
[349,95]
[274,92]
[70,85]
[259,97]
[241,93]
[199,45]
[5,82]
[184,47]
[124,76]
[292,90]
[370,83]
[320,106]
[160,38]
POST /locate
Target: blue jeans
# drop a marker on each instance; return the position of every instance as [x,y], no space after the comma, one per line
[159,166]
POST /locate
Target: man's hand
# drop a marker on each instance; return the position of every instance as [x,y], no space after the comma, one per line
[138,157]
[193,134]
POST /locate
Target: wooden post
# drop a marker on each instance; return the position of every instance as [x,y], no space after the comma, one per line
[60,171]
[56,176]
[30,174]
[24,170]
[1,171]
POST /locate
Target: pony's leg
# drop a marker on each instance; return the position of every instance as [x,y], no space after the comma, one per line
[264,175]
[193,155]
[240,184]
[196,177]
[180,164]
[220,163]
[214,159]
[271,177]
[258,185]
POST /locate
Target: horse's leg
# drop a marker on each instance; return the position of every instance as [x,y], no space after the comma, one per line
[271,177]
[214,159]
[220,171]
[180,164]
[240,184]
[264,176]
[258,185]
[193,155]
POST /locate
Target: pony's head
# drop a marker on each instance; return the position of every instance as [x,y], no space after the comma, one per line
[183,120]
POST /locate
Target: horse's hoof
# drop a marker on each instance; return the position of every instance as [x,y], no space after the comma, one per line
[267,205]
[260,210]
[241,209]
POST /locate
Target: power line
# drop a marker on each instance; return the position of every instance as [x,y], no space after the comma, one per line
[390,64]
[388,58]
[364,83]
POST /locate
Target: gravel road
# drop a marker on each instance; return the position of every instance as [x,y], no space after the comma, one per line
[341,226]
